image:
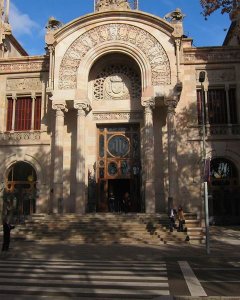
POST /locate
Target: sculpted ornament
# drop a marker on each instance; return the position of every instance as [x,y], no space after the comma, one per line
[148,44]
[102,5]
[117,82]
[105,116]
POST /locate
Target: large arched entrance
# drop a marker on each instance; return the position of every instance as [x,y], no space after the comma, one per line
[20,191]
[224,203]
[115,89]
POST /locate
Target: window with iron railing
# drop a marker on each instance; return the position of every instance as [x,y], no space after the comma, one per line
[23,113]
[220,106]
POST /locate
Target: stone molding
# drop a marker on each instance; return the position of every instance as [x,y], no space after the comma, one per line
[115,32]
[16,136]
[126,116]
[24,66]
[210,55]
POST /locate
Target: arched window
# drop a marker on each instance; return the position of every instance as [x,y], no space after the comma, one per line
[20,190]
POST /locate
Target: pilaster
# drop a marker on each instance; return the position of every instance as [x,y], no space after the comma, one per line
[149,173]
[82,109]
[58,203]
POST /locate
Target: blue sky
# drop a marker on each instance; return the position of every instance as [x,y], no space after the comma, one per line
[28,19]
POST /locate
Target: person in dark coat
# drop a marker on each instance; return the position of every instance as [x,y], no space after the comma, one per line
[6,234]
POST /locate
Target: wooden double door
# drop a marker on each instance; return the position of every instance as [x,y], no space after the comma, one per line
[118,166]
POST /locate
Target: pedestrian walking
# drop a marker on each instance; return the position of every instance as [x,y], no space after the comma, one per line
[172,219]
[181,218]
[6,234]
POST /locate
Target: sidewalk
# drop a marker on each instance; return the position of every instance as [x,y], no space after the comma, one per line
[224,242]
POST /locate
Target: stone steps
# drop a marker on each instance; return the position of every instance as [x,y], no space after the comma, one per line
[107,228]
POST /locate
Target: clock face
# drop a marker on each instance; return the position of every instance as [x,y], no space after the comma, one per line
[118,146]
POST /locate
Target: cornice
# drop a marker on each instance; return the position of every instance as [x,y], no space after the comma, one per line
[24,64]
[99,18]
[209,55]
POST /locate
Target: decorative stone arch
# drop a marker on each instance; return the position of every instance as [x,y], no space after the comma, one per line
[143,47]
[229,154]
[11,160]
[107,48]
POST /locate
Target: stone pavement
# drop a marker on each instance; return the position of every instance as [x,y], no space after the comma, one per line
[224,245]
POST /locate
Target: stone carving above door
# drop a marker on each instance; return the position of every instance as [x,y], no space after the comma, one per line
[147,44]
[24,84]
[117,82]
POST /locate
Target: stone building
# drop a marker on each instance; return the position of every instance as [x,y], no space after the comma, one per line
[115,105]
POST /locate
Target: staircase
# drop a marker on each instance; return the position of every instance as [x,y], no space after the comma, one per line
[106,228]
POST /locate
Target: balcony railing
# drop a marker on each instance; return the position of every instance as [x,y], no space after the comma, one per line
[223,130]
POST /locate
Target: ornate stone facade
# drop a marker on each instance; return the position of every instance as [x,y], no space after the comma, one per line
[147,43]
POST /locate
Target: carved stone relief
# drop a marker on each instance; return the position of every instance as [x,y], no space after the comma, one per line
[117,82]
[24,67]
[23,84]
[149,45]
[117,116]
[16,136]
[194,57]
[223,75]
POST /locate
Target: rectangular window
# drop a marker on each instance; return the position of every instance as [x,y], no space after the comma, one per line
[23,114]
[9,114]
[217,106]
[37,113]
[200,95]
[232,105]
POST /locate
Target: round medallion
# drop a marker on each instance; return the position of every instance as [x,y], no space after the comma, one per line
[118,146]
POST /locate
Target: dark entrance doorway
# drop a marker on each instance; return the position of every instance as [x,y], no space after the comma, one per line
[224,203]
[118,164]
[20,191]
[119,187]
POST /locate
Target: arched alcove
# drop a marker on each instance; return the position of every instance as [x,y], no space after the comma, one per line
[20,191]
[224,202]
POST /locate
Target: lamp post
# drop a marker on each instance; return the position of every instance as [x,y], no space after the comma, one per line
[205,163]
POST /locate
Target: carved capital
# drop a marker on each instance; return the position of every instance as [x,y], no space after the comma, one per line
[171,104]
[82,107]
[148,103]
[59,107]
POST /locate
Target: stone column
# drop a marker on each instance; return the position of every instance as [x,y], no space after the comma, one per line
[149,178]
[58,204]
[172,152]
[80,205]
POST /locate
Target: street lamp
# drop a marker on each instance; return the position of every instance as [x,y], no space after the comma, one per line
[205,162]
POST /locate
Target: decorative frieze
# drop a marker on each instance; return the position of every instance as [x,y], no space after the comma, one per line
[210,56]
[148,44]
[101,116]
[24,84]
[22,67]
[17,136]
[222,75]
